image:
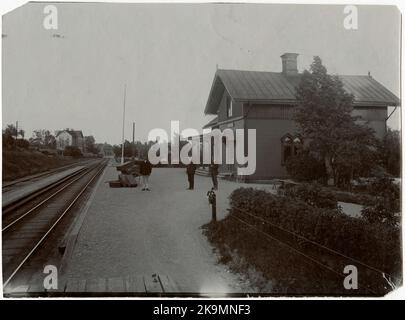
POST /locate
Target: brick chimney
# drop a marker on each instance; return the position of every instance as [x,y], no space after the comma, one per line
[289,61]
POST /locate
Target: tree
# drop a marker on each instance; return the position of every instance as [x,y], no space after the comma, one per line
[387,206]
[178,144]
[90,145]
[305,166]
[389,150]
[8,141]
[11,130]
[43,138]
[324,118]
[10,135]
[129,149]
[117,150]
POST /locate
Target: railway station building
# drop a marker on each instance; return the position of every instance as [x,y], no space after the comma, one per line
[265,101]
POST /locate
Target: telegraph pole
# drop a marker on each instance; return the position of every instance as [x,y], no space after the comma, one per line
[123,126]
[133,140]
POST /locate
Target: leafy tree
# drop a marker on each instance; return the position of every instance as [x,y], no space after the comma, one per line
[117,151]
[305,166]
[8,141]
[130,149]
[389,150]
[324,118]
[138,149]
[387,203]
[43,138]
[11,130]
[355,154]
[10,135]
[178,144]
[90,145]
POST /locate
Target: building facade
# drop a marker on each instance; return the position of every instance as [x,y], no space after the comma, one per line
[68,137]
[266,101]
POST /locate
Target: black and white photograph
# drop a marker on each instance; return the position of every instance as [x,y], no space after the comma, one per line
[201,150]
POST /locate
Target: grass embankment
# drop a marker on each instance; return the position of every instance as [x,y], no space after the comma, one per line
[267,236]
[21,163]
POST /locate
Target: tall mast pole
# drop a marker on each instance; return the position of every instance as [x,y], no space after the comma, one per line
[123,126]
[133,140]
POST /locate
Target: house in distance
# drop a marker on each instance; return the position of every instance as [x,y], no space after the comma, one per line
[265,101]
[69,137]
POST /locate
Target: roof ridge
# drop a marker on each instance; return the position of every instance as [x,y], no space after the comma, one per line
[258,71]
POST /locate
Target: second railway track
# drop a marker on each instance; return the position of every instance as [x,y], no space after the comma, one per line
[29,222]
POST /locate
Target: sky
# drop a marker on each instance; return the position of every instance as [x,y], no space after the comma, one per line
[167,55]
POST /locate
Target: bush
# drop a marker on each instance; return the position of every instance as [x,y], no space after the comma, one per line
[72,151]
[357,198]
[311,193]
[8,141]
[22,143]
[379,213]
[386,188]
[305,167]
[386,207]
[375,244]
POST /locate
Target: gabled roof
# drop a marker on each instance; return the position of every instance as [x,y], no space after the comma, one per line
[73,133]
[276,88]
[212,123]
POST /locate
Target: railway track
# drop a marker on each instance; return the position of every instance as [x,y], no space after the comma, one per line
[7,186]
[29,222]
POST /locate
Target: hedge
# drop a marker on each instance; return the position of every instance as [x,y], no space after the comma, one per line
[313,194]
[377,245]
[357,198]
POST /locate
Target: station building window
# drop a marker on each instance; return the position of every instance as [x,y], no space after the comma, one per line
[229,107]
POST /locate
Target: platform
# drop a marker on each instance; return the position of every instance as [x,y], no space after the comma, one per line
[128,232]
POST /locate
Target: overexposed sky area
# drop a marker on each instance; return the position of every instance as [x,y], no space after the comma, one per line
[167,55]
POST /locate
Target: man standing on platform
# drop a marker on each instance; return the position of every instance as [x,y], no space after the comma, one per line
[145,171]
[214,175]
[191,167]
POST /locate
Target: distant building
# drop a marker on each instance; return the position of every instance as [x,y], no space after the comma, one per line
[106,150]
[265,101]
[69,137]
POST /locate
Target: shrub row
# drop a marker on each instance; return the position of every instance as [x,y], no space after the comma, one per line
[313,194]
[357,198]
[375,244]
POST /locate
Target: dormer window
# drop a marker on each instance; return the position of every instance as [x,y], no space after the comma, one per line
[229,107]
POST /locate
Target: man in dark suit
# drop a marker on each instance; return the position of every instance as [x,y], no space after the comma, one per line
[191,167]
[145,170]
[214,175]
